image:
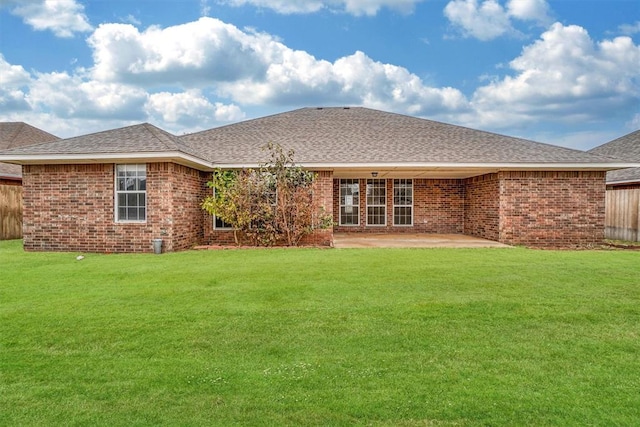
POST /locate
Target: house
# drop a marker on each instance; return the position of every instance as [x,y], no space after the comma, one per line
[622,216]
[12,135]
[116,191]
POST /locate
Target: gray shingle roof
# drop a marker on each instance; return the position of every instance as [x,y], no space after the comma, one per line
[626,148]
[19,134]
[336,136]
[362,135]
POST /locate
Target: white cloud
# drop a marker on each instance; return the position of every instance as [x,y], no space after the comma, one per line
[354,7]
[13,81]
[488,19]
[62,17]
[72,96]
[62,103]
[256,69]
[530,10]
[630,29]
[12,76]
[205,9]
[190,110]
[207,50]
[564,76]
[484,21]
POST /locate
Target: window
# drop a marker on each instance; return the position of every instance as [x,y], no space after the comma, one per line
[131,193]
[349,202]
[376,202]
[402,202]
[219,224]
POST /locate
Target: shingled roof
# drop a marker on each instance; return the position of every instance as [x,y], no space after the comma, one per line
[624,148]
[362,135]
[143,140]
[339,139]
[19,134]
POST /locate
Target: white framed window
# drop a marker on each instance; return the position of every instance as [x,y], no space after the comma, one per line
[376,202]
[402,202]
[219,224]
[349,202]
[131,193]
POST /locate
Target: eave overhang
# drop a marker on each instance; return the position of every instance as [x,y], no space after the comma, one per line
[138,157]
[623,182]
[436,170]
[340,170]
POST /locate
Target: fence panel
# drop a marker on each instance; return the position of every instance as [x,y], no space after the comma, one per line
[622,217]
[10,212]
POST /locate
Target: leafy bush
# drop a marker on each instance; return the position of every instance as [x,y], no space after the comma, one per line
[270,205]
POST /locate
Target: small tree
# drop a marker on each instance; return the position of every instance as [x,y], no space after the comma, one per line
[273,204]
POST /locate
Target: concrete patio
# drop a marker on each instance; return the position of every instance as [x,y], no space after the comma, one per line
[411,240]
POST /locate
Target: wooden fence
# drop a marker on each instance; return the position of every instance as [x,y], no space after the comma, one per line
[622,217]
[10,212]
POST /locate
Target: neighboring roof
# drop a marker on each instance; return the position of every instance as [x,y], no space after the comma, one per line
[19,134]
[122,144]
[325,138]
[624,148]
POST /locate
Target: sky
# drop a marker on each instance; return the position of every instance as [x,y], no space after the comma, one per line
[563,72]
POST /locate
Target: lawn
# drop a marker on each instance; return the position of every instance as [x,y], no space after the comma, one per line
[327,337]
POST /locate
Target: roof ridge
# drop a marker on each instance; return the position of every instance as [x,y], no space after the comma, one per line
[156,132]
[13,138]
[241,121]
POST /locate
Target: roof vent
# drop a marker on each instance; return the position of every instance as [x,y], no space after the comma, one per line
[319,108]
[346,108]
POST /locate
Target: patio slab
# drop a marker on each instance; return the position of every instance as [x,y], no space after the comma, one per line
[383,240]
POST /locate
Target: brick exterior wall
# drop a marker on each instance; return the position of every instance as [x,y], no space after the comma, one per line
[536,209]
[71,208]
[552,209]
[438,207]
[482,207]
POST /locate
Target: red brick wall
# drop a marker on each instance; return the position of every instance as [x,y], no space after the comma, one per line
[188,187]
[71,208]
[482,206]
[438,207]
[552,209]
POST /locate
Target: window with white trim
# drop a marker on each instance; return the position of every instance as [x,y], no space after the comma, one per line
[402,202]
[219,224]
[349,202]
[376,202]
[131,193]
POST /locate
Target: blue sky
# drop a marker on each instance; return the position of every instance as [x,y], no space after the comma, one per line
[564,72]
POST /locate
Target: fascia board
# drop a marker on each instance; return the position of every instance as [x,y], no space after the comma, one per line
[414,165]
[198,163]
[176,156]
[624,182]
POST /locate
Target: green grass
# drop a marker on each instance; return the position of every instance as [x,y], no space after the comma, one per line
[381,337]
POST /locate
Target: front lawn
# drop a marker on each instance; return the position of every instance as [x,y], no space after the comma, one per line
[382,337]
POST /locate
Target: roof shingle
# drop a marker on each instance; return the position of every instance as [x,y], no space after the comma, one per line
[626,148]
[342,137]
[19,134]
[362,135]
